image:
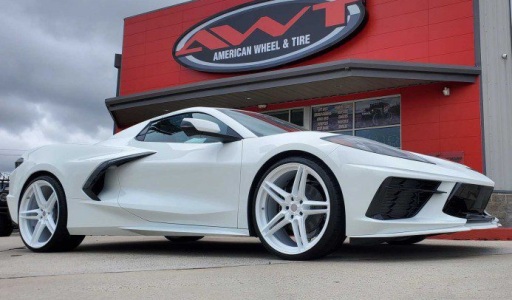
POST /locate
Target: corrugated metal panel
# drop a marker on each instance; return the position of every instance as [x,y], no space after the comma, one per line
[495,32]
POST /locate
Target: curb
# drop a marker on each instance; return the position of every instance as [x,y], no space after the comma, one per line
[497,234]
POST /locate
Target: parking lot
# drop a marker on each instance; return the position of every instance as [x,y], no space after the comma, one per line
[224,268]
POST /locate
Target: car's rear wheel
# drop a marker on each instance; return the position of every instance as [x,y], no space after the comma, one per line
[183,239]
[298,210]
[408,240]
[43,217]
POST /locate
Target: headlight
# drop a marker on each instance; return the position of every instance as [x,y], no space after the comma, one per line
[373,146]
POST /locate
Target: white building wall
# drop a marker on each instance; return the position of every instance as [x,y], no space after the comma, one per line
[496,60]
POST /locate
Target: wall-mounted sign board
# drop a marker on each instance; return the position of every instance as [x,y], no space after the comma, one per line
[268,34]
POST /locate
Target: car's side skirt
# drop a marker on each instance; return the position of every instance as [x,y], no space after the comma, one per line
[160,229]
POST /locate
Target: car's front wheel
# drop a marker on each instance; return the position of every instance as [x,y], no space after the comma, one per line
[298,210]
[43,217]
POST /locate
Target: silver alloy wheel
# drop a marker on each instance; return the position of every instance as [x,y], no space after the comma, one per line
[289,219]
[38,214]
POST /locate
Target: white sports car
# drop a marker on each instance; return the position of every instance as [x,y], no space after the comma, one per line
[206,171]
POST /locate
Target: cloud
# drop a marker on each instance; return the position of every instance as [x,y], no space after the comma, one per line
[57,70]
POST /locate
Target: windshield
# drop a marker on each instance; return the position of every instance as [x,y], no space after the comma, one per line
[259,124]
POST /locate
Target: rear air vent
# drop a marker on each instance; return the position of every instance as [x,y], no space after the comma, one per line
[401,198]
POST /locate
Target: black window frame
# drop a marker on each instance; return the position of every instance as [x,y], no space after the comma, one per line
[142,134]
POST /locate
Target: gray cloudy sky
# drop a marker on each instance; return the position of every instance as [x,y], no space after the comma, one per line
[56,70]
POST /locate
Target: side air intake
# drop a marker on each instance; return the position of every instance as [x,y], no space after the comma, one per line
[469,201]
[401,198]
[96,181]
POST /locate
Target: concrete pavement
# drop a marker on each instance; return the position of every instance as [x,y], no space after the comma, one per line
[234,268]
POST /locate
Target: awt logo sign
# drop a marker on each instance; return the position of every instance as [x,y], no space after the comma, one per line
[268,34]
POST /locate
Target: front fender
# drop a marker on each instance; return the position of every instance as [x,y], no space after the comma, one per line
[72,165]
[258,151]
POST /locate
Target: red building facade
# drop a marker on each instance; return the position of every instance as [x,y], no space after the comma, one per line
[425,53]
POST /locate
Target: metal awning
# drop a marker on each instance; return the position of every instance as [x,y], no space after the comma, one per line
[308,82]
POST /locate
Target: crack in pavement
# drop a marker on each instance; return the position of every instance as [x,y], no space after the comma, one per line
[149,270]
[211,267]
[17,248]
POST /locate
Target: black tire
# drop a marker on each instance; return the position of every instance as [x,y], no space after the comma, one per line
[409,240]
[6,227]
[334,235]
[183,239]
[61,239]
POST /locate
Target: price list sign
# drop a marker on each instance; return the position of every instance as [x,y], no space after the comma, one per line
[333,117]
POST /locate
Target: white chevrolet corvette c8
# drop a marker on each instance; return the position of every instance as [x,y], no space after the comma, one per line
[208,171]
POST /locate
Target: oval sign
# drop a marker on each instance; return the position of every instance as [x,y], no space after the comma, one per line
[268,34]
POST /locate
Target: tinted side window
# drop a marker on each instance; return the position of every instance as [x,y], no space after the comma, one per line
[168,130]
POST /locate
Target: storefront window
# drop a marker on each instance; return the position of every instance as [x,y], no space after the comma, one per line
[294,116]
[376,119]
[283,115]
[388,135]
[297,116]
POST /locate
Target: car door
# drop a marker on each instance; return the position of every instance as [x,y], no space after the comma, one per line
[189,180]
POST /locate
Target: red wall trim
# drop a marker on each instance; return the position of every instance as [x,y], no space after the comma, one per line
[498,234]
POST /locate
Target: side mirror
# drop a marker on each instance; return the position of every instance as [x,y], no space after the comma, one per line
[191,127]
[197,126]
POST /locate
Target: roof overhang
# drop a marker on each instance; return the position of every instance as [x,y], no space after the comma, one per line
[308,82]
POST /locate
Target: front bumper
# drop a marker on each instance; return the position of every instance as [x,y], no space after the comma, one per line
[361,174]
[442,230]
